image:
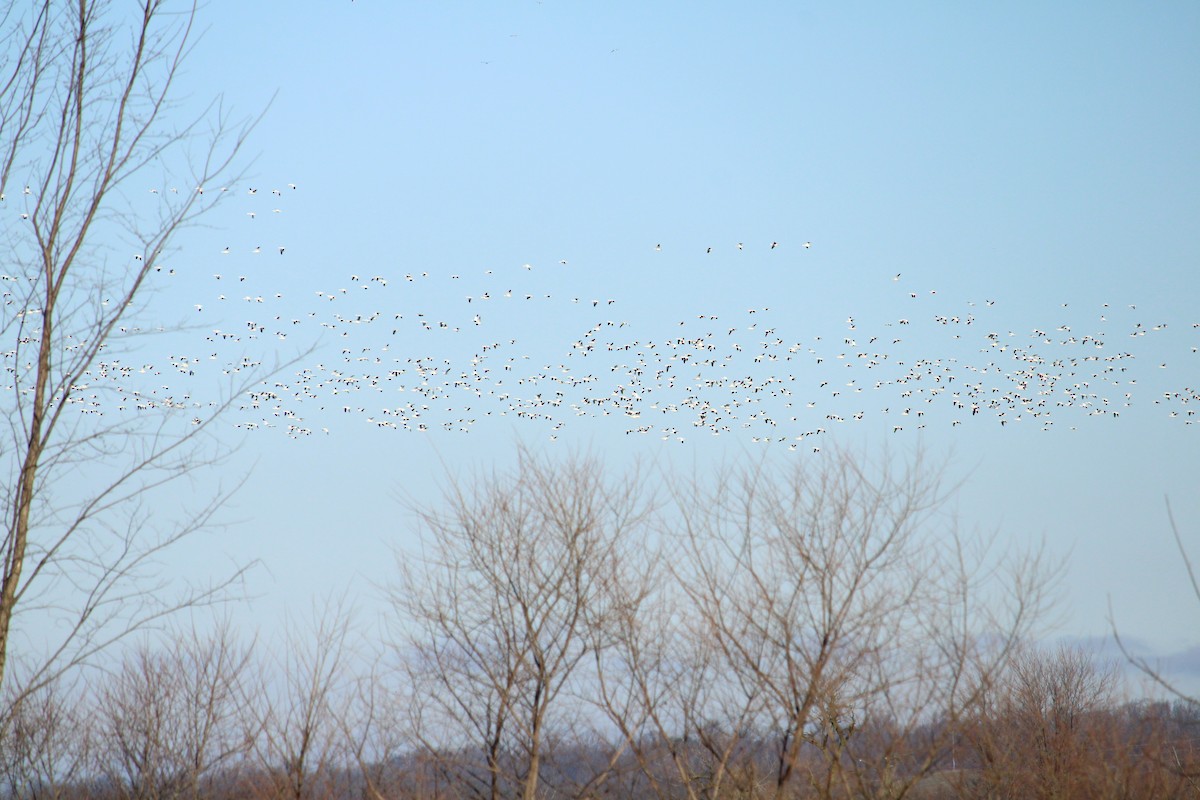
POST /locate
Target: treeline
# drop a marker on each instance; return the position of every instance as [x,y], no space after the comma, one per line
[194,725]
[820,631]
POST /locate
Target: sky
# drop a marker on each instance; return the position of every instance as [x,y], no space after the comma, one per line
[823,200]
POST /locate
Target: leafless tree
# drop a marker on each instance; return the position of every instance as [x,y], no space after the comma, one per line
[1052,727]
[86,119]
[1034,739]
[686,726]
[374,727]
[805,626]
[173,719]
[300,703]
[46,751]
[498,618]
[837,603]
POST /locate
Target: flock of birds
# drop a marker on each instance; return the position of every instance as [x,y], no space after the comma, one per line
[424,350]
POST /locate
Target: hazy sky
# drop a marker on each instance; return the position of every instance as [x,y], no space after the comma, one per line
[1011,192]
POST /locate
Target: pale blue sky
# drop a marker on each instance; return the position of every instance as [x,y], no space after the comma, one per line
[1018,165]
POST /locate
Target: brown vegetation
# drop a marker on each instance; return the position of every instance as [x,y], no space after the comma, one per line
[815,632]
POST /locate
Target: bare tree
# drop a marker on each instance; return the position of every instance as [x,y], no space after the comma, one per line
[301,707]
[1051,728]
[497,620]
[46,752]
[1039,746]
[686,725]
[85,110]
[172,721]
[373,726]
[837,604]
[805,632]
